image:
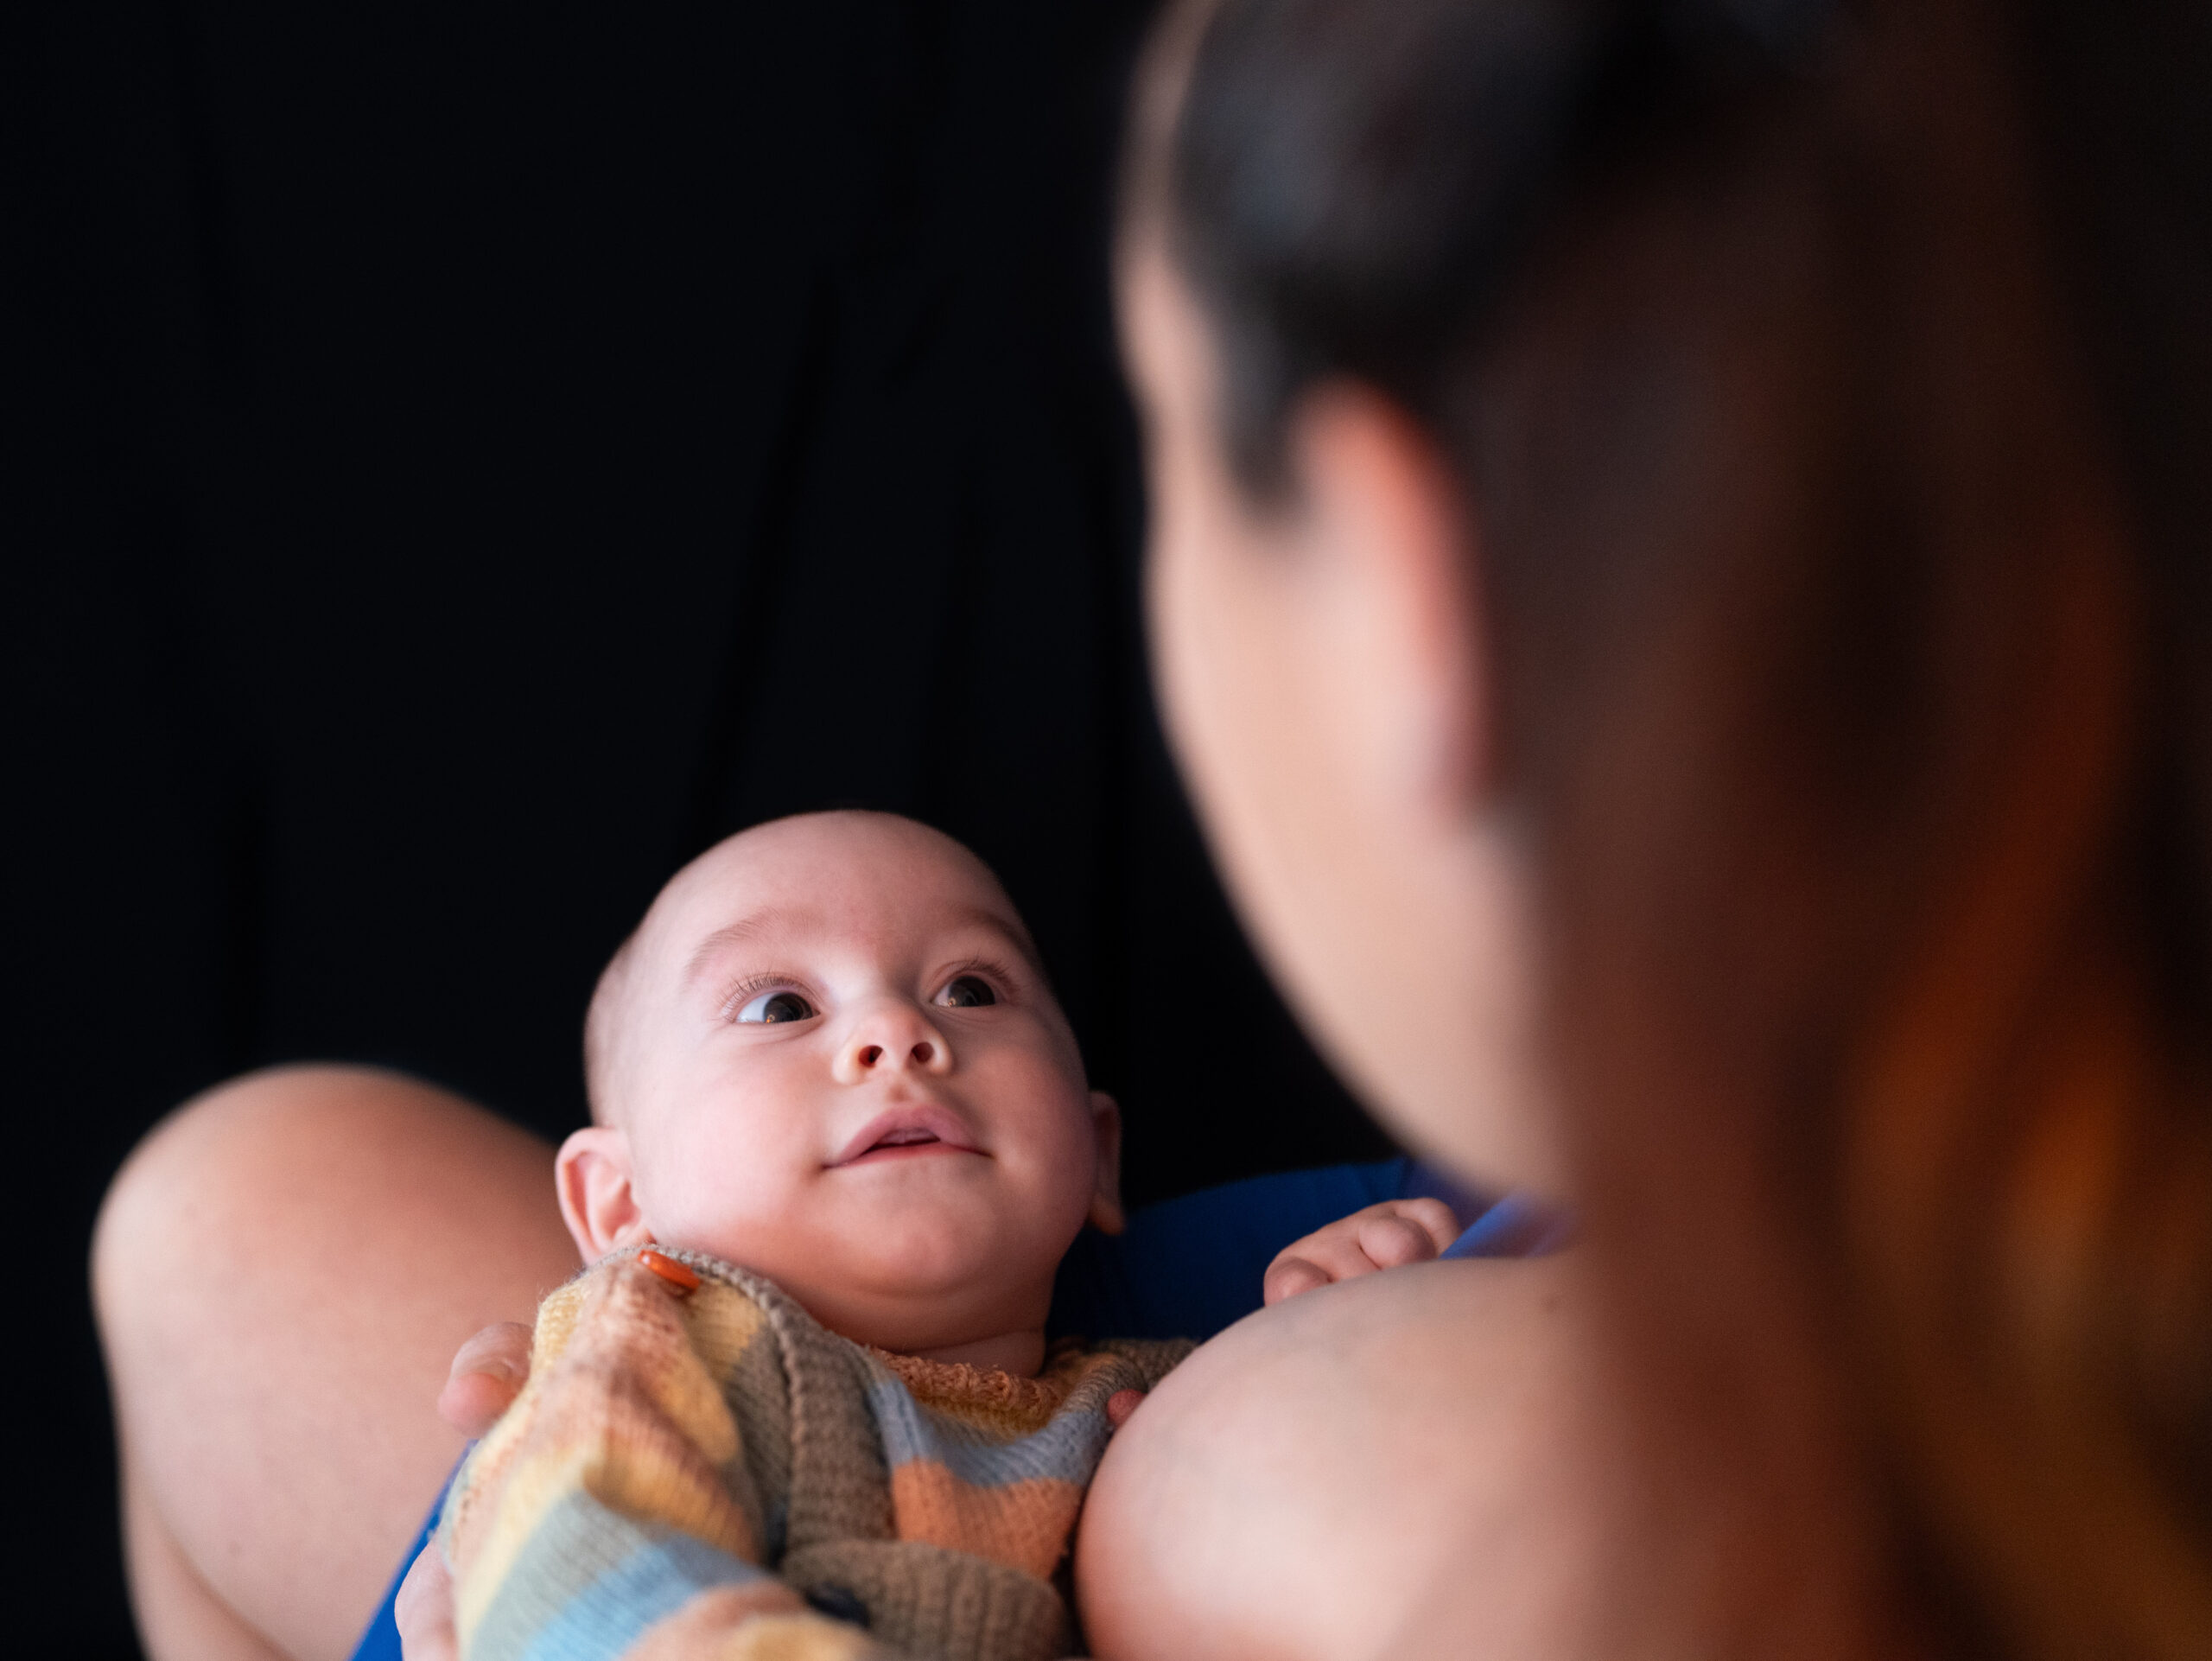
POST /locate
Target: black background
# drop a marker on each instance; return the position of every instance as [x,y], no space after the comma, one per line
[460,461]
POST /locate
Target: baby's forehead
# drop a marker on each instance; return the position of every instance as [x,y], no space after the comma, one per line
[857,880]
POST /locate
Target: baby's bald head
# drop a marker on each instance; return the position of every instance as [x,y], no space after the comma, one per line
[602,1022]
[805,857]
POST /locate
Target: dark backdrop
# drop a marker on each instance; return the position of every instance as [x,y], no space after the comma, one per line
[458,461]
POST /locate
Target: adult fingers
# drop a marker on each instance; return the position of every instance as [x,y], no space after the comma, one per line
[488,1372]
[424,1610]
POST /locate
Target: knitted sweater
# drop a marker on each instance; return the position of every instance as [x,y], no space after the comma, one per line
[702,1475]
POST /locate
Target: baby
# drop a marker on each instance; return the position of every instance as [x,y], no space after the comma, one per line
[802,1404]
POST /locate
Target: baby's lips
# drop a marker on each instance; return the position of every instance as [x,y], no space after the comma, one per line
[940,1122]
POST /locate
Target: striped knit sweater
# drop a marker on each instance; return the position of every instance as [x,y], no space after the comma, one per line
[715,1474]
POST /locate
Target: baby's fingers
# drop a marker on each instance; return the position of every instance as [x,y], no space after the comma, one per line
[1287,1276]
[1333,1254]
[488,1373]
[1385,1236]
[1393,1242]
[1406,1231]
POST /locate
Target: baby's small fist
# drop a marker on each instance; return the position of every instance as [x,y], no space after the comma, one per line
[1386,1236]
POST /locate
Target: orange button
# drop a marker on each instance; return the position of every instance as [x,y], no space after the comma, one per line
[681,1280]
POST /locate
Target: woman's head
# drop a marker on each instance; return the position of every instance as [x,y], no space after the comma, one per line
[1641,592]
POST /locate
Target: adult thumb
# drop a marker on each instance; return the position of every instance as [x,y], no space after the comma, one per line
[488,1371]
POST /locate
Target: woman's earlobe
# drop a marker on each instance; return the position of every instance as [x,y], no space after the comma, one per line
[593,1177]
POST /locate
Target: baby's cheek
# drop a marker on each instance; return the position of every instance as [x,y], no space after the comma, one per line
[1075,1161]
[715,1204]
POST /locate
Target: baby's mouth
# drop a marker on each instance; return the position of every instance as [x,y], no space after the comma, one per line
[908,1132]
[905,1139]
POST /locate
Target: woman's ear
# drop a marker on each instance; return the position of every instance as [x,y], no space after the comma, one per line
[598,1201]
[1106,1215]
[1390,537]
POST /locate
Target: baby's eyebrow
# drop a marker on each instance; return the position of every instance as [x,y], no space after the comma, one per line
[775,920]
[1008,929]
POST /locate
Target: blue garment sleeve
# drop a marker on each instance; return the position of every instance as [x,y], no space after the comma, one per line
[381,1641]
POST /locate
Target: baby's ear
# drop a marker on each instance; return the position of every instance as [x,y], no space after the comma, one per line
[1106,1215]
[598,1202]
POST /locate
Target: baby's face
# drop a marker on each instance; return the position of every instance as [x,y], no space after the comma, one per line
[836,1063]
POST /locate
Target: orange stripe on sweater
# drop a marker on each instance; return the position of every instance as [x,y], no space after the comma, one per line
[1024,1525]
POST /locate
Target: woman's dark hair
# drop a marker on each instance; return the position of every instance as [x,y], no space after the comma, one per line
[1358,214]
[1831,392]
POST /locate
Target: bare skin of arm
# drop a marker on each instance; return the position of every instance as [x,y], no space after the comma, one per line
[282,1271]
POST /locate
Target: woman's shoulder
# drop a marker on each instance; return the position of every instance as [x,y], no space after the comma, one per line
[1428,1434]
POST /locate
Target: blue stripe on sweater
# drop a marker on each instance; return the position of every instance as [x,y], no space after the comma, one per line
[1068,1448]
[631,1576]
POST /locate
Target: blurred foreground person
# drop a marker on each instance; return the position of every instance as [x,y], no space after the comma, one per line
[1697,683]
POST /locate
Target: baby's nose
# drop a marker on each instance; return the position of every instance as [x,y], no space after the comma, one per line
[923,1052]
[893,1035]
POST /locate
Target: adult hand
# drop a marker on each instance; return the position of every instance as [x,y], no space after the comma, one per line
[1387,1236]
[488,1371]
[424,1610]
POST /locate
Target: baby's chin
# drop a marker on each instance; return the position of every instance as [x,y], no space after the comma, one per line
[906,1278]
[921,1257]
[913,1314]
[896,1254]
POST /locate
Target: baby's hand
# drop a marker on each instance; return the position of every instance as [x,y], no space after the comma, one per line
[1395,1232]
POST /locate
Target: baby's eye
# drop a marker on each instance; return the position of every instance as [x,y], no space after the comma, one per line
[772,1007]
[967,992]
